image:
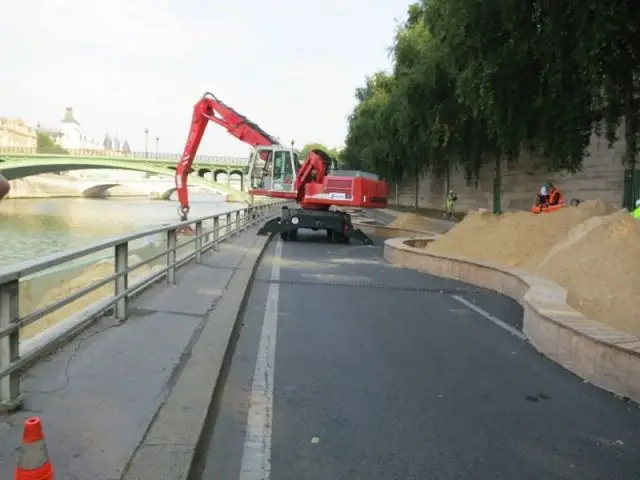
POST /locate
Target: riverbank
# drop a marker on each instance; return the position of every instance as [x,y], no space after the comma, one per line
[57,186]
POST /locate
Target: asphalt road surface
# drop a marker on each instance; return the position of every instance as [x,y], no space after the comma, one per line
[349,368]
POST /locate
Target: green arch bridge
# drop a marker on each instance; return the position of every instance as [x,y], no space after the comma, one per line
[15,165]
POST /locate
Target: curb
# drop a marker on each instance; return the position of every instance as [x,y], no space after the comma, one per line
[174,446]
[599,354]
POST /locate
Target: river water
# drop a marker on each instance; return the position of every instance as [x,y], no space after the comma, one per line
[36,227]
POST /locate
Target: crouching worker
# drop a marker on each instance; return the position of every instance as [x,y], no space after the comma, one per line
[4,187]
[549,196]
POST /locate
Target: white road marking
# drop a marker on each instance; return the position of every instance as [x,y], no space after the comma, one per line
[256,457]
[490,317]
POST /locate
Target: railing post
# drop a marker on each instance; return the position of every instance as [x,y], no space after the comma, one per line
[122,282]
[228,227]
[216,233]
[198,241]
[236,228]
[9,345]
[171,256]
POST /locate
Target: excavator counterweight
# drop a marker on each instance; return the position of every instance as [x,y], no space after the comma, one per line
[275,171]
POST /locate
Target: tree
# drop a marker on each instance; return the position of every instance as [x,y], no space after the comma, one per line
[477,82]
[616,49]
[45,144]
[450,132]
[332,152]
[369,143]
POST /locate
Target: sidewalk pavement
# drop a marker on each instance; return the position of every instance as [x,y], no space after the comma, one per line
[98,395]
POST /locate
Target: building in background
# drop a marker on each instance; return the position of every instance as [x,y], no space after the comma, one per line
[15,133]
[69,134]
[113,146]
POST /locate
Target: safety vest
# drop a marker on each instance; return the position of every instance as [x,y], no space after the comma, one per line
[555,196]
[636,213]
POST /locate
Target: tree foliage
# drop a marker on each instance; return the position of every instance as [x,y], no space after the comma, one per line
[476,81]
[332,152]
[47,145]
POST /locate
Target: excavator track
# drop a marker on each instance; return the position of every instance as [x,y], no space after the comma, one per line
[337,224]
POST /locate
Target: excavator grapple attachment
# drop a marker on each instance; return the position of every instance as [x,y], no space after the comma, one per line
[337,225]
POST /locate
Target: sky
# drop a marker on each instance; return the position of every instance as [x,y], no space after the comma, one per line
[291,66]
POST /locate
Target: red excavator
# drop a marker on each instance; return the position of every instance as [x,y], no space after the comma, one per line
[275,171]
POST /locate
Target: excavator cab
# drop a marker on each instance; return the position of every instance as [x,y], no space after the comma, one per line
[272,171]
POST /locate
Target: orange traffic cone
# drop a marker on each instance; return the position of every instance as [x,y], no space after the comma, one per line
[33,463]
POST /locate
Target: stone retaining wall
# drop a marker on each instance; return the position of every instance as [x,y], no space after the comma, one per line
[602,177]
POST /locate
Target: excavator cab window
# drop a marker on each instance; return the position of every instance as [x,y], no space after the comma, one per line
[260,168]
[274,169]
[284,171]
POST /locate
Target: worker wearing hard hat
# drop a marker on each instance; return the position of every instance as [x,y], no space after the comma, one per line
[636,212]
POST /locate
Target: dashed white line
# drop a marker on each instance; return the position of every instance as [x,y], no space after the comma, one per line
[490,317]
[256,457]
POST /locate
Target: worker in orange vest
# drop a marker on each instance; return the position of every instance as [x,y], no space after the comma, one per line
[549,195]
[555,195]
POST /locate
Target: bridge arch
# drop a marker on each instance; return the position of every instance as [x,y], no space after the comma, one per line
[98,190]
[14,168]
[217,172]
[203,171]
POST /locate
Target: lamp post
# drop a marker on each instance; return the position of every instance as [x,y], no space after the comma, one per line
[146,143]
[157,142]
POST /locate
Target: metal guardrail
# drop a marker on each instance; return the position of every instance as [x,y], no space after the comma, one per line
[203,239]
[142,156]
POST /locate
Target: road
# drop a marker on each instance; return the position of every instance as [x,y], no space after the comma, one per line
[350,368]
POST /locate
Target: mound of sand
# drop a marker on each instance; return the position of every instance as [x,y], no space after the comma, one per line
[412,221]
[592,250]
[515,239]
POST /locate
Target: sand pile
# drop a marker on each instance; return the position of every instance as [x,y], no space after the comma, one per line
[601,270]
[515,239]
[412,221]
[591,250]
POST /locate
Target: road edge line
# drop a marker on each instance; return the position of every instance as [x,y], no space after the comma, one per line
[505,326]
[175,444]
[256,454]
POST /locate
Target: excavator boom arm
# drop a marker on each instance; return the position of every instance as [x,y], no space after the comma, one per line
[210,108]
